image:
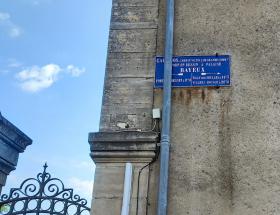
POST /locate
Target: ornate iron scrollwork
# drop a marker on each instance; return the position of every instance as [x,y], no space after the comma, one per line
[43,195]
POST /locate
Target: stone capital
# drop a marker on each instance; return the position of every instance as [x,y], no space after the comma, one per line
[124,146]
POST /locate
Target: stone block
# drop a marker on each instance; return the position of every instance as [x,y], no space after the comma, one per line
[126,3]
[134,14]
[135,116]
[8,153]
[128,91]
[132,40]
[130,65]
[109,181]
[106,206]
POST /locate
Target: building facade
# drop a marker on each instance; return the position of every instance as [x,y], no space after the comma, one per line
[224,157]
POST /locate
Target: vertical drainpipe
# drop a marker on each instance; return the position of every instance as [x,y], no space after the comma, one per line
[127,189]
[166,110]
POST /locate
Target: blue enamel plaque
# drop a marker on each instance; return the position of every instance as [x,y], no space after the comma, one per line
[196,71]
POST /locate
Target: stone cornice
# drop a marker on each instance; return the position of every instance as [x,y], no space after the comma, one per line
[12,142]
[125,146]
[13,136]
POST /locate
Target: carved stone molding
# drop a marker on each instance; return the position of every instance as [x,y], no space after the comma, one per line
[12,142]
[124,146]
[12,135]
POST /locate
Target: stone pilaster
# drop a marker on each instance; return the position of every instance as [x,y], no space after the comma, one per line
[128,87]
[110,151]
[127,105]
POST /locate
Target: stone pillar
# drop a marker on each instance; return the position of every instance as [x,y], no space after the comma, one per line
[126,122]
[12,142]
[110,151]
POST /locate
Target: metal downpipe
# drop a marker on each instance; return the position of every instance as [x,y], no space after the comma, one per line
[166,110]
[127,189]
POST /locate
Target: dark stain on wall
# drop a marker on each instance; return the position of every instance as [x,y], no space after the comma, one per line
[186,95]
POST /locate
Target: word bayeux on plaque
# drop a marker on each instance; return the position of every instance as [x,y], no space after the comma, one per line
[195,71]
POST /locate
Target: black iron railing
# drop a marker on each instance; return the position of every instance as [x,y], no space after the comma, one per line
[43,195]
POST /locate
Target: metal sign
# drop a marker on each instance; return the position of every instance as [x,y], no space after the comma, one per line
[196,71]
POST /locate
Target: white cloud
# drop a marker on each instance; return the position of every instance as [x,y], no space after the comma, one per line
[6,23]
[36,78]
[81,187]
[74,71]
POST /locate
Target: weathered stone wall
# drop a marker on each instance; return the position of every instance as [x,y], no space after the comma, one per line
[128,90]
[225,142]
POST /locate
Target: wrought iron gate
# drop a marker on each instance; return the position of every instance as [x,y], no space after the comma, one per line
[43,195]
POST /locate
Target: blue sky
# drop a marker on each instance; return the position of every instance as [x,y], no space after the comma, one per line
[52,63]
